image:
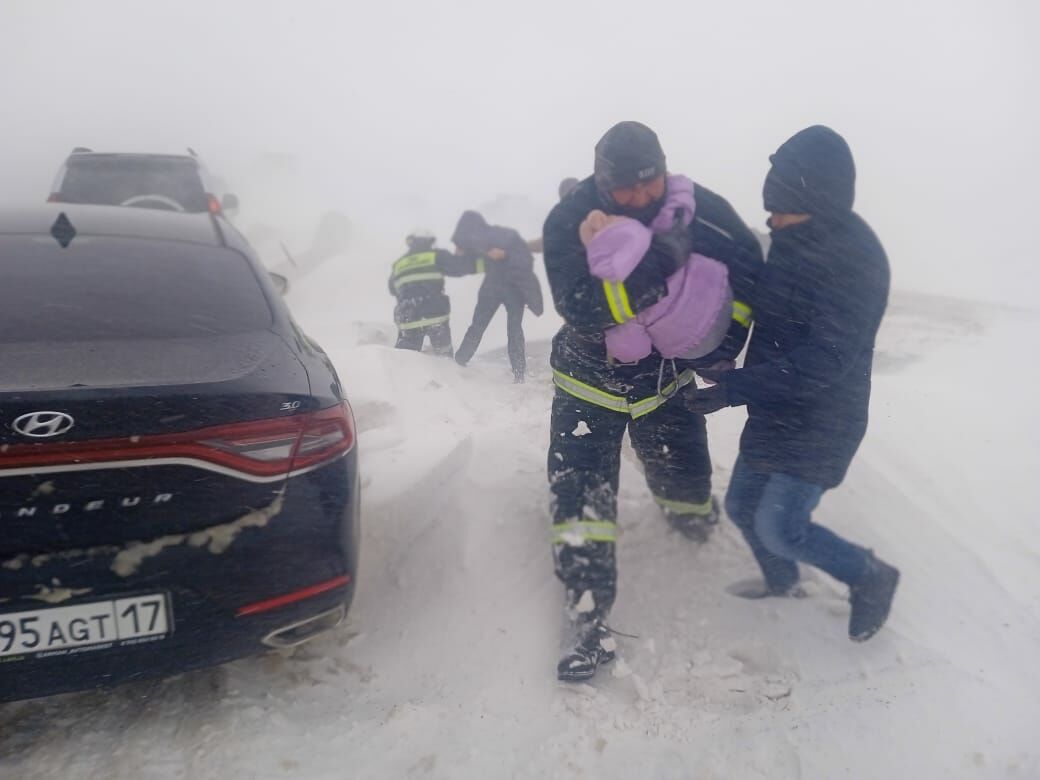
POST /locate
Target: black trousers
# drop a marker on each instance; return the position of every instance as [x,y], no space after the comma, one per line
[439,335]
[488,300]
[584,462]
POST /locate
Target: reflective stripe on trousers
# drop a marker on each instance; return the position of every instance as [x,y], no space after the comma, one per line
[577,532]
[423,323]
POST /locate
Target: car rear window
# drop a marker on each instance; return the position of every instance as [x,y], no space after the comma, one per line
[111,180]
[102,288]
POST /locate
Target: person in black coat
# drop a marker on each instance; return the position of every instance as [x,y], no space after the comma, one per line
[509,281]
[598,399]
[423,310]
[806,378]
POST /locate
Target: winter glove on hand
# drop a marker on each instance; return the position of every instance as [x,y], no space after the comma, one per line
[713,373]
[706,400]
[675,243]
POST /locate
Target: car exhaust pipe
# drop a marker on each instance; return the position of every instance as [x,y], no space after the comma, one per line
[295,634]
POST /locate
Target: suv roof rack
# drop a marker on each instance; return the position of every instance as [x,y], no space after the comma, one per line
[82,150]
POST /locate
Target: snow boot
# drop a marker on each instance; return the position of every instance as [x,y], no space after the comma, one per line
[593,645]
[871,599]
[695,527]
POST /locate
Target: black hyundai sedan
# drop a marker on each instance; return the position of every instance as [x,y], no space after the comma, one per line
[178,470]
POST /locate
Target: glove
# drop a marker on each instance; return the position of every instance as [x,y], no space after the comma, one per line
[706,400]
[675,243]
[714,372]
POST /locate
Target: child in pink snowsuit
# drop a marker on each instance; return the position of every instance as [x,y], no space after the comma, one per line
[693,318]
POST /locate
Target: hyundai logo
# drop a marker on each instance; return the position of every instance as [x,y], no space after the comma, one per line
[40,425]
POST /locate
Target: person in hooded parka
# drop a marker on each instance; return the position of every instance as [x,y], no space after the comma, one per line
[806,379]
[509,281]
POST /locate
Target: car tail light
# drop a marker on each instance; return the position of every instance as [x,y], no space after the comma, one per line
[325,434]
[213,204]
[259,448]
[313,438]
[54,197]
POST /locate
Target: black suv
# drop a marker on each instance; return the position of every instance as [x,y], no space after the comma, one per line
[178,470]
[171,182]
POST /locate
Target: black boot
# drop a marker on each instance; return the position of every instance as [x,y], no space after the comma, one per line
[695,527]
[871,599]
[593,645]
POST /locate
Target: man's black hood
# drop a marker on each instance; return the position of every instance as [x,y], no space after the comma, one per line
[471,233]
[813,173]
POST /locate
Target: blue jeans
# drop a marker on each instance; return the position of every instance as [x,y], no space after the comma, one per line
[774,512]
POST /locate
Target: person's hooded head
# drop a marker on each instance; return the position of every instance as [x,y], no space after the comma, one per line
[813,173]
[630,171]
[471,233]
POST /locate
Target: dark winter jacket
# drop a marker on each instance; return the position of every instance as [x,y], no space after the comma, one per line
[589,305]
[475,238]
[818,305]
[417,281]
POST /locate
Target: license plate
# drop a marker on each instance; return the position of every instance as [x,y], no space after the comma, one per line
[94,626]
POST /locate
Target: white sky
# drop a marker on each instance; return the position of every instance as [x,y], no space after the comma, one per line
[386,106]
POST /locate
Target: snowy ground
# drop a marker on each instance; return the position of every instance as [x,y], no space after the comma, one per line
[446,668]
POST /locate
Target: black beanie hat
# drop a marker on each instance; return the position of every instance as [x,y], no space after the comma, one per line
[627,154]
[813,173]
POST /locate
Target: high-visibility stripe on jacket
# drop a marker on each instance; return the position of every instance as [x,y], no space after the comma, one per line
[419,267]
[617,300]
[742,313]
[617,403]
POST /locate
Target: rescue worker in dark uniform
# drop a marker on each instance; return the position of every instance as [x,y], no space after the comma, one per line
[417,281]
[597,399]
[509,281]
